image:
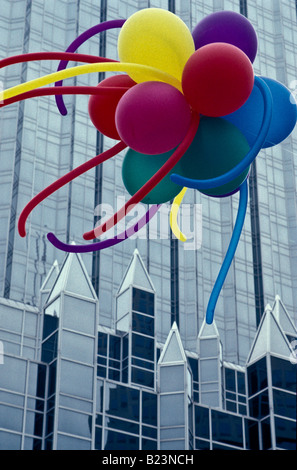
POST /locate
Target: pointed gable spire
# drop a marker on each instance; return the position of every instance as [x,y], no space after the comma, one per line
[73,278]
[173,350]
[136,275]
[270,338]
[283,317]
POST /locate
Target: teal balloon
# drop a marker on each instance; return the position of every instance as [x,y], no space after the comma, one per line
[217,147]
[138,168]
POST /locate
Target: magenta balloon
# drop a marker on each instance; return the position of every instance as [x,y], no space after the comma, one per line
[230,27]
[152,117]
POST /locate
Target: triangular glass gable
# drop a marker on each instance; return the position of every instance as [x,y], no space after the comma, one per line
[136,275]
[173,350]
[283,317]
[73,278]
[269,339]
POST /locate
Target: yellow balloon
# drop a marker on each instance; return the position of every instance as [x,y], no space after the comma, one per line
[157,38]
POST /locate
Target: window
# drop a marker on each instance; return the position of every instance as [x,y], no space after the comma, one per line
[143,301]
[230,379]
[251,434]
[259,405]
[285,431]
[257,376]
[122,402]
[227,428]
[201,422]
[149,408]
[143,324]
[284,404]
[283,374]
[118,441]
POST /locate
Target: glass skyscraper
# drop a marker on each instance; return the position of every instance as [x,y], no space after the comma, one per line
[97,349]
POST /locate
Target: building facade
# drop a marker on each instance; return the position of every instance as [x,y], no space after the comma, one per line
[89,344]
[80,386]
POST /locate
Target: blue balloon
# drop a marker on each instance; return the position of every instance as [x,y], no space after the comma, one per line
[249,117]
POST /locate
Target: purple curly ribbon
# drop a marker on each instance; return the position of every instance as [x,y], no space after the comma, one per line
[105,243]
[99,28]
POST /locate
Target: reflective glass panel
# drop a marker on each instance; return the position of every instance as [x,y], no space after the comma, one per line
[283,374]
[143,324]
[122,402]
[227,428]
[259,405]
[143,347]
[149,408]
[230,379]
[143,301]
[201,422]
[257,376]
[285,432]
[251,434]
[284,404]
[266,434]
[119,441]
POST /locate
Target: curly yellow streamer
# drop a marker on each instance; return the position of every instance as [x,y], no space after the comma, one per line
[173,215]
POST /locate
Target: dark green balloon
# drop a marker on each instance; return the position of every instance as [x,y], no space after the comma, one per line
[217,148]
[138,168]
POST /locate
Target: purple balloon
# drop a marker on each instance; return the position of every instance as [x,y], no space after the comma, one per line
[229,27]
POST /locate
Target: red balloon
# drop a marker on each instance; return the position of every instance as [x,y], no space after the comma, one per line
[153,117]
[102,108]
[217,79]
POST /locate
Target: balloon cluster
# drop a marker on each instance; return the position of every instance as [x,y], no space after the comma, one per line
[188,107]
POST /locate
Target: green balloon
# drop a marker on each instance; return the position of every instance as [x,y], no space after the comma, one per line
[138,168]
[217,147]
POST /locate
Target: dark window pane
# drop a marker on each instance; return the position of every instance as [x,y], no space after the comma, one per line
[50,324]
[52,378]
[101,371]
[149,432]
[98,437]
[122,425]
[201,422]
[259,405]
[40,389]
[231,396]
[230,379]
[102,343]
[143,364]
[202,445]
[143,347]
[283,374]
[266,435]
[285,432]
[242,409]
[142,377]
[122,402]
[284,404]
[194,368]
[143,301]
[118,441]
[114,347]
[143,324]
[231,406]
[148,444]
[49,348]
[241,382]
[227,428]
[114,374]
[149,408]
[257,376]
[125,346]
[251,434]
